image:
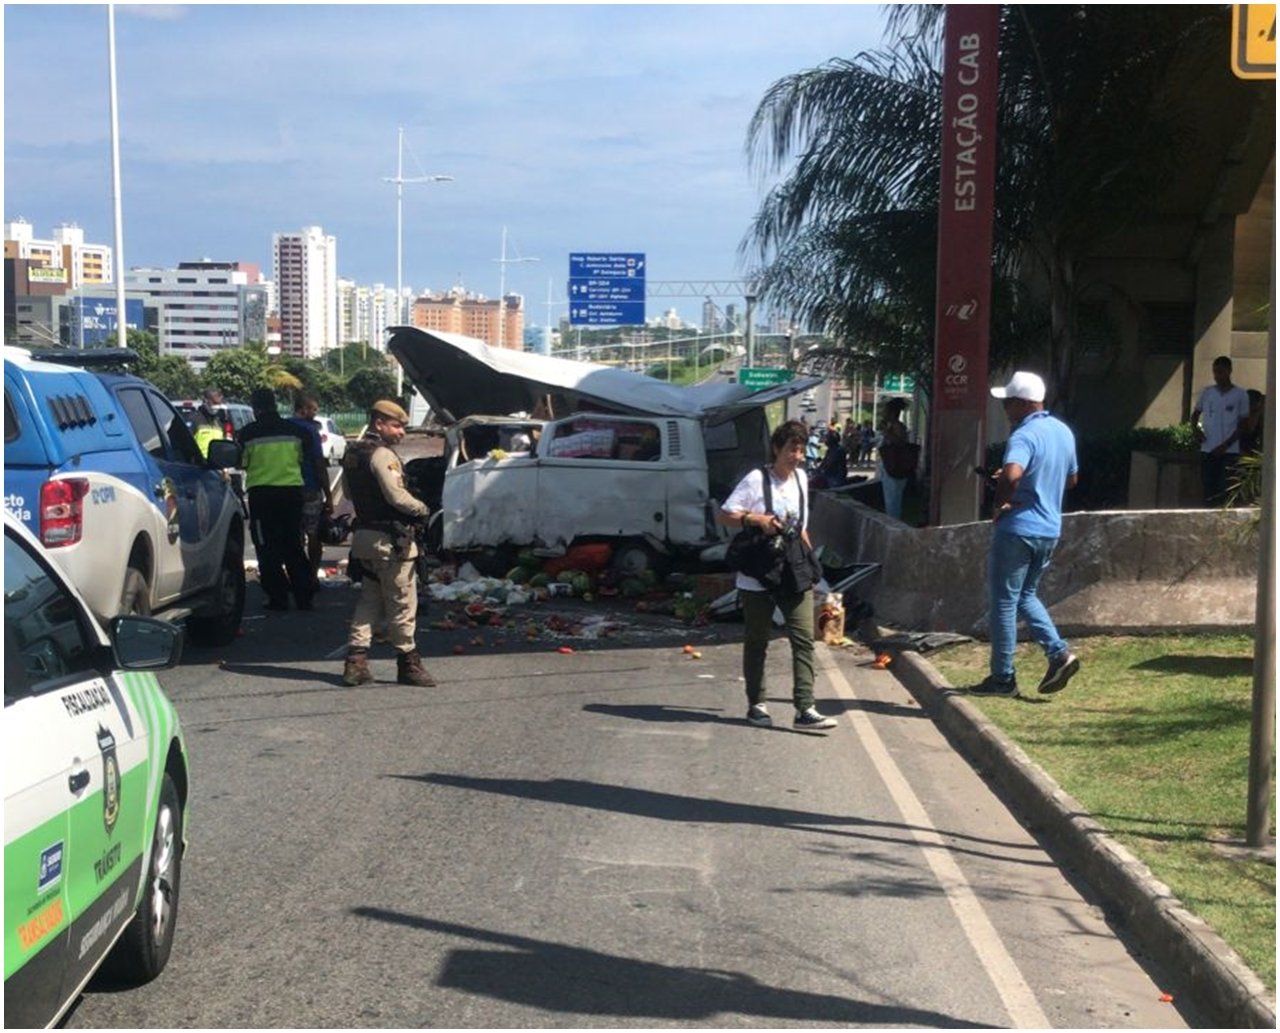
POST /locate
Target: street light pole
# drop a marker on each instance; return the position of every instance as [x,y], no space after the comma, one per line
[122,331]
[399,180]
[503,262]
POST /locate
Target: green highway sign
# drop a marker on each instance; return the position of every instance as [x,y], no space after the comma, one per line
[898,383]
[758,377]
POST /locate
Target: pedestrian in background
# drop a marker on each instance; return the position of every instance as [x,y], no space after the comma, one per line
[317,492]
[275,452]
[1251,440]
[867,437]
[1039,466]
[897,457]
[851,438]
[385,544]
[1225,408]
[834,470]
[745,507]
[812,446]
[206,422]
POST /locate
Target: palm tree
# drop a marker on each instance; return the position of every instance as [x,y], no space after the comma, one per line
[1092,130]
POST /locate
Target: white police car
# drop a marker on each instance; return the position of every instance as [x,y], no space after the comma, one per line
[103,470]
[95,790]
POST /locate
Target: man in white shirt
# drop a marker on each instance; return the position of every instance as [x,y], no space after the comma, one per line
[1225,408]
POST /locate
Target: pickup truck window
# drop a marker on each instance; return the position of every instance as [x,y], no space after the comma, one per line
[142,420]
[11,427]
[182,445]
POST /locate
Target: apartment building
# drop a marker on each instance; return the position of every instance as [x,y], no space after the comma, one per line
[204,306]
[80,264]
[306,281]
[499,324]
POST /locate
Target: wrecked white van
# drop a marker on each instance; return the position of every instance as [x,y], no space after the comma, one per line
[545,452]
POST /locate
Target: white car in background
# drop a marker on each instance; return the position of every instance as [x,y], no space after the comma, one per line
[333,442]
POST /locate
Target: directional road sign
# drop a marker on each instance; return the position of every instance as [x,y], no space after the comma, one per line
[606,289]
[759,377]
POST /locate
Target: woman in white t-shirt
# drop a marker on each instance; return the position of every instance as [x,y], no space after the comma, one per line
[745,507]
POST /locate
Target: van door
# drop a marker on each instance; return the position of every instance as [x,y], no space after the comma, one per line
[615,476]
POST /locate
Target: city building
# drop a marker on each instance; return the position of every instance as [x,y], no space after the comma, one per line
[82,264]
[204,306]
[365,313]
[306,283]
[476,316]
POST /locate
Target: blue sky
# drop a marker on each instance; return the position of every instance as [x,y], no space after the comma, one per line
[588,127]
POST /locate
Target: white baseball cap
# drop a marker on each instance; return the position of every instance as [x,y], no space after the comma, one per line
[1021,385]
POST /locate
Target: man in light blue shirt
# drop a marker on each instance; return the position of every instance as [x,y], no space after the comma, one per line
[1039,466]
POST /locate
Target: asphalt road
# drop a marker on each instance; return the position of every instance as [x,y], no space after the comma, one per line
[598,839]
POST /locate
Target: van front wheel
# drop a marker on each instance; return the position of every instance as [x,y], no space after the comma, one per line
[632,558]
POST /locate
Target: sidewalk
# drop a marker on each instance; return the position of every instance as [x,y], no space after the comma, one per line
[1212,973]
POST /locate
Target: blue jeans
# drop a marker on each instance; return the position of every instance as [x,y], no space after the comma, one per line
[1014,572]
[894,488]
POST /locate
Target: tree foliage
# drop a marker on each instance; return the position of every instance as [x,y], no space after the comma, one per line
[1090,133]
[237,372]
[172,374]
[370,385]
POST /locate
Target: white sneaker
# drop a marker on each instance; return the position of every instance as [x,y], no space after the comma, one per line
[758,715]
[812,719]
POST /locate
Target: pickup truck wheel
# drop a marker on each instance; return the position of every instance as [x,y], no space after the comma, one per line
[219,629]
[143,949]
[135,597]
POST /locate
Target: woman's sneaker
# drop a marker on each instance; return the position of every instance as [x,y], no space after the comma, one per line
[758,715]
[1060,671]
[812,719]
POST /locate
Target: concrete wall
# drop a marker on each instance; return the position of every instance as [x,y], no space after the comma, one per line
[1128,572]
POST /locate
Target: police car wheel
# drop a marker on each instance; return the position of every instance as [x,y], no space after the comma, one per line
[134,596]
[143,949]
[220,628]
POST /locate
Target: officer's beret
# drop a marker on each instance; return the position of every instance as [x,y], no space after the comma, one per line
[390,410]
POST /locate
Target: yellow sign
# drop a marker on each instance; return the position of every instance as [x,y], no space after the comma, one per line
[1253,41]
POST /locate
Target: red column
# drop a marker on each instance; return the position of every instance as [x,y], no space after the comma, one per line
[965,214]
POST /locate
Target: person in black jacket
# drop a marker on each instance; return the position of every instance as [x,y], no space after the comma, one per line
[274,451]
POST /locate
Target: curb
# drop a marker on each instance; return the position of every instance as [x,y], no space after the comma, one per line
[1220,984]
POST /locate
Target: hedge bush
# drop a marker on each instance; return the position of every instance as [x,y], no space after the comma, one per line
[1104,462]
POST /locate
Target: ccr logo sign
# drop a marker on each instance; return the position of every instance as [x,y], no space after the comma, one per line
[957,381]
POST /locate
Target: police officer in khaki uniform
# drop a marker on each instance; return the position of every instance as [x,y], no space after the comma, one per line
[384,543]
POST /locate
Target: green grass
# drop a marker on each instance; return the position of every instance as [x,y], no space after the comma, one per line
[1152,737]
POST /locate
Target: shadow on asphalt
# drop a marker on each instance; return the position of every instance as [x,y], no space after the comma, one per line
[571,980]
[649,803]
[662,713]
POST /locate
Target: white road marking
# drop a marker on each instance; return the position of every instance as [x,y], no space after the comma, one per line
[1019,999]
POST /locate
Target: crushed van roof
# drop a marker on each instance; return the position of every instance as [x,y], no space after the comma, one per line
[461,376]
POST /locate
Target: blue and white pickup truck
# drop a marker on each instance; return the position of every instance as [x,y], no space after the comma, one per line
[103,471]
